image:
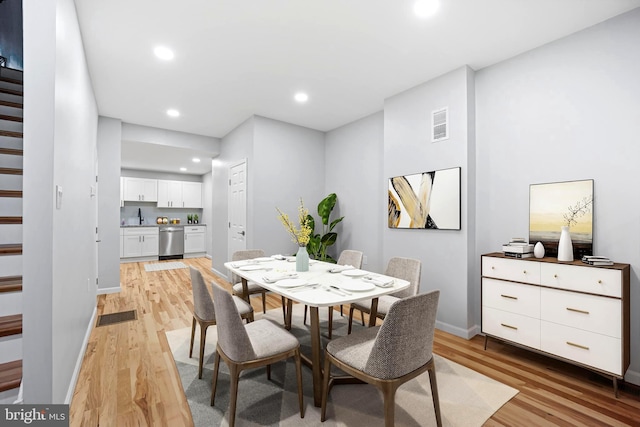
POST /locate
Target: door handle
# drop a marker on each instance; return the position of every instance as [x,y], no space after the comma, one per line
[98,241]
[241,232]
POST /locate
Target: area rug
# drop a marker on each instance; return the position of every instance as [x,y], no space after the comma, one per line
[160,266]
[467,398]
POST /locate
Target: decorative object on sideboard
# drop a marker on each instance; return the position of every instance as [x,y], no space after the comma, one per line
[189,219]
[538,250]
[565,247]
[195,218]
[558,204]
[518,248]
[425,200]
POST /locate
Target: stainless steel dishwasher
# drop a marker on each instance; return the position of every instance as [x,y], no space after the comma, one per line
[171,242]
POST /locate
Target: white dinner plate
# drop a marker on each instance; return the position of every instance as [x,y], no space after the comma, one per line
[291,283]
[357,286]
[251,267]
[354,273]
[262,259]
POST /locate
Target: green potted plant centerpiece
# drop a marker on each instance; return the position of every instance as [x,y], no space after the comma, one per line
[319,243]
[300,235]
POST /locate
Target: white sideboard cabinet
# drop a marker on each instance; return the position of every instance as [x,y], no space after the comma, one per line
[571,311]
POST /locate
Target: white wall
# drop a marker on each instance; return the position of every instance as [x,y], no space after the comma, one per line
[565,111]
[287,164]
[353,170]
[207,213]
[109,137]
[235,146]
[59,249]
[407,150]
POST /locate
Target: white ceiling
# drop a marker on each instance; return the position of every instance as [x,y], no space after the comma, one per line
[236,58]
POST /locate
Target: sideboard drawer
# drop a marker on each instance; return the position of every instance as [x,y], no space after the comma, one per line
[512,297]
[511,269]
[595,350]
[593,280]
[510,326]
[592,313]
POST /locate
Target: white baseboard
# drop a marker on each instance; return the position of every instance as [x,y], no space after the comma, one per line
[632,377]
[459,332]
[114,290]
[217,273]
[83,349]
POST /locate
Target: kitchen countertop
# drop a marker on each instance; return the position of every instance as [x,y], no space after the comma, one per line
[162,225]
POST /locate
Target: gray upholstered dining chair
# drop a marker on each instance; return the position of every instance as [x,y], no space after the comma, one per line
[347,257]
[204,313]
[254,345]
[388,356]
[408,269]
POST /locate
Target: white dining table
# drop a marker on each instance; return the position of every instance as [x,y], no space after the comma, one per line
[317,288]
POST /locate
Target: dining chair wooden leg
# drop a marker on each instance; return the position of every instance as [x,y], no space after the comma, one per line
[233,392]
[325,387]
[214,381]
[362,317]
[434,393]
[284,309]
[389,396]
[304,319]
[350,320]
[287,320]
[193,333]
[341,313]
[299,375]
[264,302]
[203,340]
[269,372]
[330,332]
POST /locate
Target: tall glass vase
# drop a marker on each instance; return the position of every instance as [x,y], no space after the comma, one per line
[565,247]
[302,259]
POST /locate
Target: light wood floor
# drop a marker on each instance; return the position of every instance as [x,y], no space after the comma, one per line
[128,377]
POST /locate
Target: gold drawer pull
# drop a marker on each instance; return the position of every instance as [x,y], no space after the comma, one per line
[492,267]
[524,271]
[577,345]
[555,276]
[599,282]
[577,311]
[509,326]
[508,296]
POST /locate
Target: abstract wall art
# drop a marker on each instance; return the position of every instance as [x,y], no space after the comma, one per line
[427,200]
[558,204]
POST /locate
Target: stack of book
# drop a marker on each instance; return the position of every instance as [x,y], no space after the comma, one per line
[596,260]
[518,248]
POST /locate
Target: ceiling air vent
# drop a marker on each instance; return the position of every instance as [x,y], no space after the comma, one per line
[440,129]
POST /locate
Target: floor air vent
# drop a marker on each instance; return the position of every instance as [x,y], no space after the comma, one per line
[123,316]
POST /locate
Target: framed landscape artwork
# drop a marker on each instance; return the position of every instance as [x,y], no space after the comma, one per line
[425,200]
[558,204]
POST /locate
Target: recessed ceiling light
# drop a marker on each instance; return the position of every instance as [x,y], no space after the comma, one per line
[301,97]
[183,169]
[426,8]
[164,53]
[195,160]
[173,113]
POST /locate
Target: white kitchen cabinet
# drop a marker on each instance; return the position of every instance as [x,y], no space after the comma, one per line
[140,242]
[192,194]
[571,311]
[121,242]
[121,192]
[179,194]
[194,239]
[140,189]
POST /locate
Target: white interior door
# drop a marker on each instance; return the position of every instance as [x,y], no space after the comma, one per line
[237,238]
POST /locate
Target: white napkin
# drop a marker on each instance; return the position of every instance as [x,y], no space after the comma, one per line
[273,278]
[340,268]
[379,281]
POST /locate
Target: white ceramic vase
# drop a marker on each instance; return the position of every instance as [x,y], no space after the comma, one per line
[538,250]
[565,247]
[302,259]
